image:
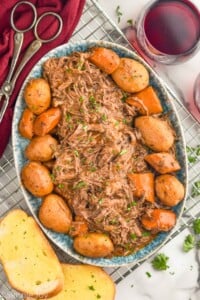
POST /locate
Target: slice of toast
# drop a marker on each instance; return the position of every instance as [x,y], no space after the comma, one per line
[29,261]
[86,283]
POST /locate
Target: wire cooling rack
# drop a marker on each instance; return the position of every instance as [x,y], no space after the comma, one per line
[95,24]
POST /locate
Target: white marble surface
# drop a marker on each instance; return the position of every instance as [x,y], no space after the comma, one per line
[181,281]
[181,76]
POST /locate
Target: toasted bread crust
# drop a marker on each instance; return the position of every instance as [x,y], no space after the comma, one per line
[85,282]
[25,249]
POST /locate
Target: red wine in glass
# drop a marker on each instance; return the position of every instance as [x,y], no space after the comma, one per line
[169,30]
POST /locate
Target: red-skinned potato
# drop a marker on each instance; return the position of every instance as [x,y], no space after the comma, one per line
[169,189]
[37,95]
[93,245]
[36,179]
[131,76]
[55,214]
[41,148]
[156,133]
[47,121]
[26,123]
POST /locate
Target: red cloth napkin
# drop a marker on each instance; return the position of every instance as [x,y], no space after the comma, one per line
[69,10]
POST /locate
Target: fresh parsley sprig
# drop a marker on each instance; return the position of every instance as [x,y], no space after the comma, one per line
[118,14]
[193,153]
[196,226]
[160,262]
[196,189]
[189,243]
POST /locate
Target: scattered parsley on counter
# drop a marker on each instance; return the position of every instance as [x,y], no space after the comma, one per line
[193,153]
[160,262]
[148,274]
[118,14]
[196,226]
[196,189]
[189,243]
[130,22]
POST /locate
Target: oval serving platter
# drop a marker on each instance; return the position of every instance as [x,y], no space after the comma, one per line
[63,241]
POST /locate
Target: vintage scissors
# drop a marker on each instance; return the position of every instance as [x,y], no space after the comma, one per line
[8,85]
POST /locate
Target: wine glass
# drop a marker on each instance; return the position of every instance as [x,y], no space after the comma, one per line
[169,30]
[197,92]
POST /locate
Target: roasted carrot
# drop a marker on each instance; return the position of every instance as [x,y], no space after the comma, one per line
[163,162]
[46,121]
[26,123]
[146,102]
[104,58]
[143,185]
[159,220]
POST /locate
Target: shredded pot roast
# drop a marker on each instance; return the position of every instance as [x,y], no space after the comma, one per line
[97,148]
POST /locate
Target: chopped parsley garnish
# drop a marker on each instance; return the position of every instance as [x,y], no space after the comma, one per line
[124,151]
[189,243]
[68,70]
[148,274]
[100,201]
[92,169]
[81,99]
[196,189]
[131,204]
[61,186]
[76,153]
[91,287]
[124,97]
[130,22]
[80,185]
[80,65]
[68,117]
[118,13]
[85,127]
[146,233]
[93,102]
[196,226]
[52,177]
[133,236]
[104,117]
[98,296]
[116,123]
[160,262]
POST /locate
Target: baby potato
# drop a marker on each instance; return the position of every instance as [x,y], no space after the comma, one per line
[163,162]
[157,134]
[37,95]
[36,179]
[159,220]
[106,59]
[131,76]
[93,245]
[26,124]
[169,189]
[55,214]
[47,121]
[41,148]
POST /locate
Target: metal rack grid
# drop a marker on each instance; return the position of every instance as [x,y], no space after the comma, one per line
[94,24]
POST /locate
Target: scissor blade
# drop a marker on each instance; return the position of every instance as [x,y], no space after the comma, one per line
[4,106]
